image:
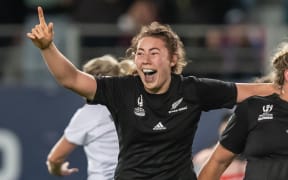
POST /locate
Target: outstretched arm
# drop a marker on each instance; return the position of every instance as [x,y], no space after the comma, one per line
[245,90]
[218,162]
[60,67]
[56,159]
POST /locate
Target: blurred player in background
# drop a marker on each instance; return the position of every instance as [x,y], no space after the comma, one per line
[93,128]
[235,171]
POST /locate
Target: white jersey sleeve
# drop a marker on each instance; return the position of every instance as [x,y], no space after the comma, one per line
[86,119]
[93,128]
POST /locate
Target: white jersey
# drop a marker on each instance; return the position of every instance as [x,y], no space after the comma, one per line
[93,128]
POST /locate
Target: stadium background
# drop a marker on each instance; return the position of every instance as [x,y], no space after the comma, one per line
[34,110]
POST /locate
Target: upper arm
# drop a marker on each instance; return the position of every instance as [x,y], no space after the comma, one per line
[214,94]
[245,90]
[84,84]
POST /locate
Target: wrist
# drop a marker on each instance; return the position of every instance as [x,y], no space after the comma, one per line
[49,46]
[54,168]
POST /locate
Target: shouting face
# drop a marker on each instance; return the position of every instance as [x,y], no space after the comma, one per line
[154,63]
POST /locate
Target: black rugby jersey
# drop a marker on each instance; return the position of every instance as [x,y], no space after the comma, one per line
[259,130]
[156,131]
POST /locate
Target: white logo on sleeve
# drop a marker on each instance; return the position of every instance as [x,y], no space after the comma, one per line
[266,112]
[159,126]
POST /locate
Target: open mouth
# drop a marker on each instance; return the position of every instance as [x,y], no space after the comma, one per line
[148,72]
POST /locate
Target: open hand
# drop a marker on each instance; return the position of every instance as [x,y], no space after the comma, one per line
[60,169]
[65,171]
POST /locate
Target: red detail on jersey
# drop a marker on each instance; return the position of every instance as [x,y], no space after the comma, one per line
[238,176]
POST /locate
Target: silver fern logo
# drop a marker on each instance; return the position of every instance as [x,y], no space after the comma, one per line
[176,103]
[174,107]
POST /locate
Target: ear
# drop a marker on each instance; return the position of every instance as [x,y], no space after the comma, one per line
[173,60]
[286,75]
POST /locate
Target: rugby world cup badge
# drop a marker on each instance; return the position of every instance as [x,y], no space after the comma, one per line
[139,111]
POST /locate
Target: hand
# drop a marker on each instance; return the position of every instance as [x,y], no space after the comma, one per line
[60,169]
[42,34]
[65,171]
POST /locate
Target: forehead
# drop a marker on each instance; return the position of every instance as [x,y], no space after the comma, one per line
[147,43]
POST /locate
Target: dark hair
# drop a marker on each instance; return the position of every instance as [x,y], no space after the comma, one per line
[171,39]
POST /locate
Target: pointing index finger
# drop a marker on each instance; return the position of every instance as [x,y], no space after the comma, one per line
[41,16]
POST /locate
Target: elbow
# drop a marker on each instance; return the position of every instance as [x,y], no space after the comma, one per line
[67,80]
[66,83]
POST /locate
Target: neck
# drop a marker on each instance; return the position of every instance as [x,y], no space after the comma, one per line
[284,92]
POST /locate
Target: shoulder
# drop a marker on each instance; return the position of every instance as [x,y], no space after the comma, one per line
[117,78]
[202,82]
[110,84]
[254,100]
[91,110]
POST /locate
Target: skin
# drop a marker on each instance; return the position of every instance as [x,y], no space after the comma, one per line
[229,166]
[56,163]
[221,158]
[217,164]
[151,54]
[60,67]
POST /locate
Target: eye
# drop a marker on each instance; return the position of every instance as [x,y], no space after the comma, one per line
[154,53]
[139,53]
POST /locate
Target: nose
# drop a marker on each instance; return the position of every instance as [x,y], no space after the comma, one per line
[146,59]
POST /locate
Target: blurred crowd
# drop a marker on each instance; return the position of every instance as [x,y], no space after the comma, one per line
[128,16]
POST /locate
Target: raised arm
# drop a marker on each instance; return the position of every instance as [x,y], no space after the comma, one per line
[218,162]
[60,67]
[246,90]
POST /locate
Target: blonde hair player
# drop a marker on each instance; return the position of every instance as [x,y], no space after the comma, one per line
[257,130]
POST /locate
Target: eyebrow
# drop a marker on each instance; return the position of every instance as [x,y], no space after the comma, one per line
[151,49]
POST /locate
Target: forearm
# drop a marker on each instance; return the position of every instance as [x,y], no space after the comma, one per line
[59,66]
[218,162]
[212,171]
[58,155]
[246,90]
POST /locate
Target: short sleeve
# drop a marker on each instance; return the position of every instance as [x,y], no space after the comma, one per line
[235,134]
[85,120]
[211,93]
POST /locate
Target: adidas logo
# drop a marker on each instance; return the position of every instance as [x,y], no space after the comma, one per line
[159,126]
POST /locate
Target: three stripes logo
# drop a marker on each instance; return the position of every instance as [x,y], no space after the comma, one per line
[159,126]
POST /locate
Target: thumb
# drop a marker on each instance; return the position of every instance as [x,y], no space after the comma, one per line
[73,170]
[66,171]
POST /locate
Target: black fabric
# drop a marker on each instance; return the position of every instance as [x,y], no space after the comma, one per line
[259,131]
[156,131]
[267,169]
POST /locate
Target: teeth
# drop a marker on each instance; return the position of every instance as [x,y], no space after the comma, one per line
[148,71]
